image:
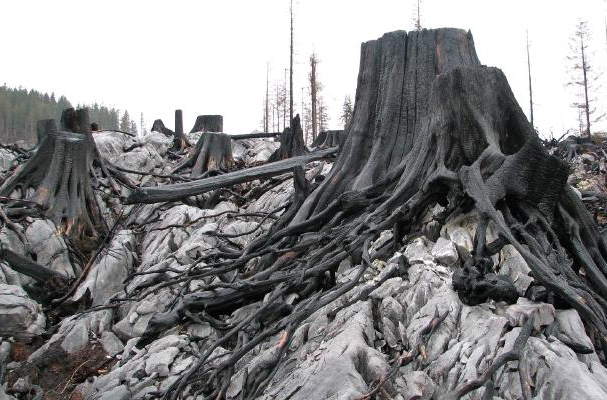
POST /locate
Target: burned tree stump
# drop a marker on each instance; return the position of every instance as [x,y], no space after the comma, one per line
[158,126]
[291,143]
[44,127]
[208,123]
[58,177]
[328,139]
[212,153]
[430,126]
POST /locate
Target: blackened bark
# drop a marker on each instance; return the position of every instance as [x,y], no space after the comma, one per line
[180,141]
[158,126]
[328,139]
[208,123]
[44,127]
[57,177]
[291,143]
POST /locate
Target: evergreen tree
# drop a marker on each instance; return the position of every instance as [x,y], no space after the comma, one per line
[133,127]
[346,110]
[125,122]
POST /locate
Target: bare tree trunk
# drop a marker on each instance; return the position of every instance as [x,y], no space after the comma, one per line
[284,103]
[530,88]
[267,110]
[291,72]
[586,100]
[313,91]
[179,139]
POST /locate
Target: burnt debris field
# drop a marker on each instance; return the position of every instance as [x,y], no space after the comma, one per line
[436,248]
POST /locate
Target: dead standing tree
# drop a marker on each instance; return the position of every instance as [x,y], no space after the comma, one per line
[430,125]
[180,141]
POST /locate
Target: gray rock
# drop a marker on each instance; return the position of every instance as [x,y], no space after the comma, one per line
[513,265]
[463,242]
[569,329]
[20,316]
[444,252]
[111,344]
[418,252]
[118,393]
[518,313]
[49,247]
[417,385]
[75,333]
[159,362]
[106,277]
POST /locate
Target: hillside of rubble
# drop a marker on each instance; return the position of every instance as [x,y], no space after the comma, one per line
[449,254]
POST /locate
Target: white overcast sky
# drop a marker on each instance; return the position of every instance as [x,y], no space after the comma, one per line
[209,57]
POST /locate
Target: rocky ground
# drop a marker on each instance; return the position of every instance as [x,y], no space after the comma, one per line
[339,352]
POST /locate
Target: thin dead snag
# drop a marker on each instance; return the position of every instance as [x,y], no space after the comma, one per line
[430,125]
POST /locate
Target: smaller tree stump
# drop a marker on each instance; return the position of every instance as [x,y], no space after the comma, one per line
[328,139]
[291,143]
[158,126]
[213,152]
[208,123]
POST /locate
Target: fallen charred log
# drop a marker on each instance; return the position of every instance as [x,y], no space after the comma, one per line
[259,135]
[180,191]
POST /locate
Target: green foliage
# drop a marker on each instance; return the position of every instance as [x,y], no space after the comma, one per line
[346,110]
[125,122]
[20,110]
[106,118]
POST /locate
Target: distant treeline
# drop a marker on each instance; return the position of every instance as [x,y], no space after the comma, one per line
[20,109]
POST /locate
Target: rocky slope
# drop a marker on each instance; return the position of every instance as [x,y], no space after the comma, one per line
[340,352]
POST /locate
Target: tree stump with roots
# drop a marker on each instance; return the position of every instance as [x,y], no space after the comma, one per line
[58,177]
[291,142]
[430,126]
[208,123]
[212,154]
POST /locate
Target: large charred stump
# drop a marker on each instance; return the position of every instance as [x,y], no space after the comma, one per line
[291,142]
[212,153]
[44,127]
[430,125]
[58,177]
[208,123]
